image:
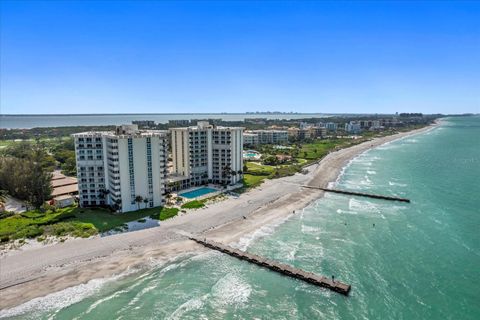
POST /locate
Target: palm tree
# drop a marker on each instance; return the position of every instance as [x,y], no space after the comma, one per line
[103,193]
[146,201]
[138,200]
[118,204]
[227,173]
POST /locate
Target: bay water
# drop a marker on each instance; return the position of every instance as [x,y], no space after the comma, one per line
[12,121]
[418,260]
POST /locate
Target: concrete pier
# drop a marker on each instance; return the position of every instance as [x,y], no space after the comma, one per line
[360,194]
[277,267]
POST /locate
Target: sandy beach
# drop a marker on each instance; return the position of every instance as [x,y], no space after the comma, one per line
[36,272]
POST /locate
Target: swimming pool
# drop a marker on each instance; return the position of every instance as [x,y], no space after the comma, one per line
[251,155]
[197,192]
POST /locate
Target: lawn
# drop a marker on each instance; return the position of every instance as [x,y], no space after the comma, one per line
[104,220]
[252,181]
[256,173]
[259,169]
[195,204]
[320,148]
[77,222]
[165,213]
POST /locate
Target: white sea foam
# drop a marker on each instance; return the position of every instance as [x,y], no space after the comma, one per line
[362,206]
[62,299]
[231,289]
[340,211]
[310,230]
[397,184]
[366,181]
[100,301]
[264,231]
[192,304]
[371,172]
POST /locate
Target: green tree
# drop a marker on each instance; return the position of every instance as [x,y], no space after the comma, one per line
[25,172]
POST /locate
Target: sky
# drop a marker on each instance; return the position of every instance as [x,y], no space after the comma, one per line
[183,57]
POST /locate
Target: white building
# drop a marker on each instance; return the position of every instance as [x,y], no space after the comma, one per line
[207,154]
[331,126]
[250,138]
[353,127]
[115,168]
[253,137]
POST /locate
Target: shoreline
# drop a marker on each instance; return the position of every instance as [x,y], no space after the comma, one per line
[38,272]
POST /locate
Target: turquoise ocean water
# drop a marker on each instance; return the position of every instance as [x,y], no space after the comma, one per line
[420,260]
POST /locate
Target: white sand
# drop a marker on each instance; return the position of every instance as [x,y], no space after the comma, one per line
[26,274]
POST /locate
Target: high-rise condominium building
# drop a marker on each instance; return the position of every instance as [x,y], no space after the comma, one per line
[121,168]
[207,154]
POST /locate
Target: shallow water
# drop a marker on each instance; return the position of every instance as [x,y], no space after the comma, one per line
[404,261]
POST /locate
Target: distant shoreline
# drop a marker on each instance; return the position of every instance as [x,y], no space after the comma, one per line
[30,121]
[37,272]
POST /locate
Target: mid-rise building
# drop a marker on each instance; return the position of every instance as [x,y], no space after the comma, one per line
[316,132]
[250,138]
[207,154]
[353,127]
[144,123]
[122,167]
[253,137]
[178,122]
[331,126]
[293,133]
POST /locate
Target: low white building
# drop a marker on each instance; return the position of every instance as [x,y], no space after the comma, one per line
[64,201]
[118,168]
[253,137]
[250,138]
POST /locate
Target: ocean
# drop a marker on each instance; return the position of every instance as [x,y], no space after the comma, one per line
[418,260]
[63,120]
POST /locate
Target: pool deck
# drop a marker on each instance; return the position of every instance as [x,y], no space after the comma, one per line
[203,196]
[247,155]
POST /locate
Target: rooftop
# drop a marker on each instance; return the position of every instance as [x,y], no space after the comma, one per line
[65,190]
[65,181]
[202,125]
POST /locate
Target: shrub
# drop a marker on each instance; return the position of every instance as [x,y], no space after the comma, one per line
[31,231]
[6,214]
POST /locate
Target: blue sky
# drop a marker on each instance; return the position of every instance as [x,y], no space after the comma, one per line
[165,57]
